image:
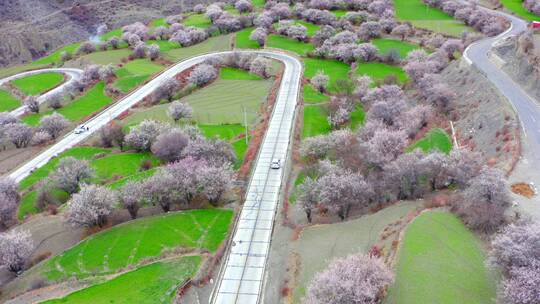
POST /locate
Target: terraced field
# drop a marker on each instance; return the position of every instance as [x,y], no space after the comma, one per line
[131,243]
[134,73]
[441,261]
[38,84]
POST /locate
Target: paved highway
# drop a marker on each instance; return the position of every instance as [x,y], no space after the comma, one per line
[241,278]
[72,74]
[527,108]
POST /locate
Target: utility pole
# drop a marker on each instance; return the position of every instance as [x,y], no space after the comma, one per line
[245,124]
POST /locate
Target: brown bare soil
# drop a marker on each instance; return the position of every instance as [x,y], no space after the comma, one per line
[523,189]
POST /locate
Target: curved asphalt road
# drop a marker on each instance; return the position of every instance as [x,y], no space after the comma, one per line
[527,108]
[72,74]
[241,278]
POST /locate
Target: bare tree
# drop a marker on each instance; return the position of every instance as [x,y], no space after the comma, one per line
[139,51]
[16,247]
[131,195]
[19,134]
[166,90]
[90,207]
[86,47]
[202,74]
[178,110]
[70,172]
[320,81]
[259,35]
[144,135]
[53,124]
[170,145]
[485,201]
[356,279]
[308,196]
[55,101]
[402,31]
[31,102]
[261,66]
[40,138]
[215,152]
[154,52]
[215,181]
[112,133]
[9,201]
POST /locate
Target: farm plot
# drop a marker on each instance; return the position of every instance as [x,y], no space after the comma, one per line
[135,72]
[435,139]
[379,71]
[92,101]
[8,102]
[424,16]
[440,261]
[154,283]
[320,244]
[54,57]
[242,40]
[39,83]
[131,243]
[385,45]
[333,68]
[315,121]
[107,57]
[213,44]
[516,6]
[284,43]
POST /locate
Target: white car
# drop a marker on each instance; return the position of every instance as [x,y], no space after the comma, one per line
[275,164]
[80,130]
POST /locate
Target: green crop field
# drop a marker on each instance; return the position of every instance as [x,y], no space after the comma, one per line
[313,96]
[8,102]
[92,101]
[164,45]
[197,20]
[384,45]
[55,56]
[221,102]
[225,132]
[284,43]
[434,139]
[130,243]
[516,6]
[237,74]
[440,261]
[153,283]
[315,122]
[114,33]
[213,44]
[339,13]
[107,57]
[135,72]
[358,116]
[333,68]
[112,166]
[39,83]
[242,40]
[139,176]
[423,16]
[379,71]
[311,28]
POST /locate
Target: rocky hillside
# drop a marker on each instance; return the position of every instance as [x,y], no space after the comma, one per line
[33,28]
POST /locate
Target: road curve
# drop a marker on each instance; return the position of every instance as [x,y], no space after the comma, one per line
[72,74]
[527,108]
[241,280]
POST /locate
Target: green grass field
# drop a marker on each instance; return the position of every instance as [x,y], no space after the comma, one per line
[139,176]
[284,43]
[107,57]
[114,33]
[339,13]
[128,244]
[310,27]
[333,68]
[313,96]
[153,283]
[358,116]
[237,74]
[197,20]
[8,102]
[54,57]
[384,45]
[379,71]
[39,83]
[213,44]
[242,40]
[440,261]
[135,72]
[423,16]
[111,167]
[221,102]
[516,6]
[225,132]
[434,139]
[92,101]
[315,122]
